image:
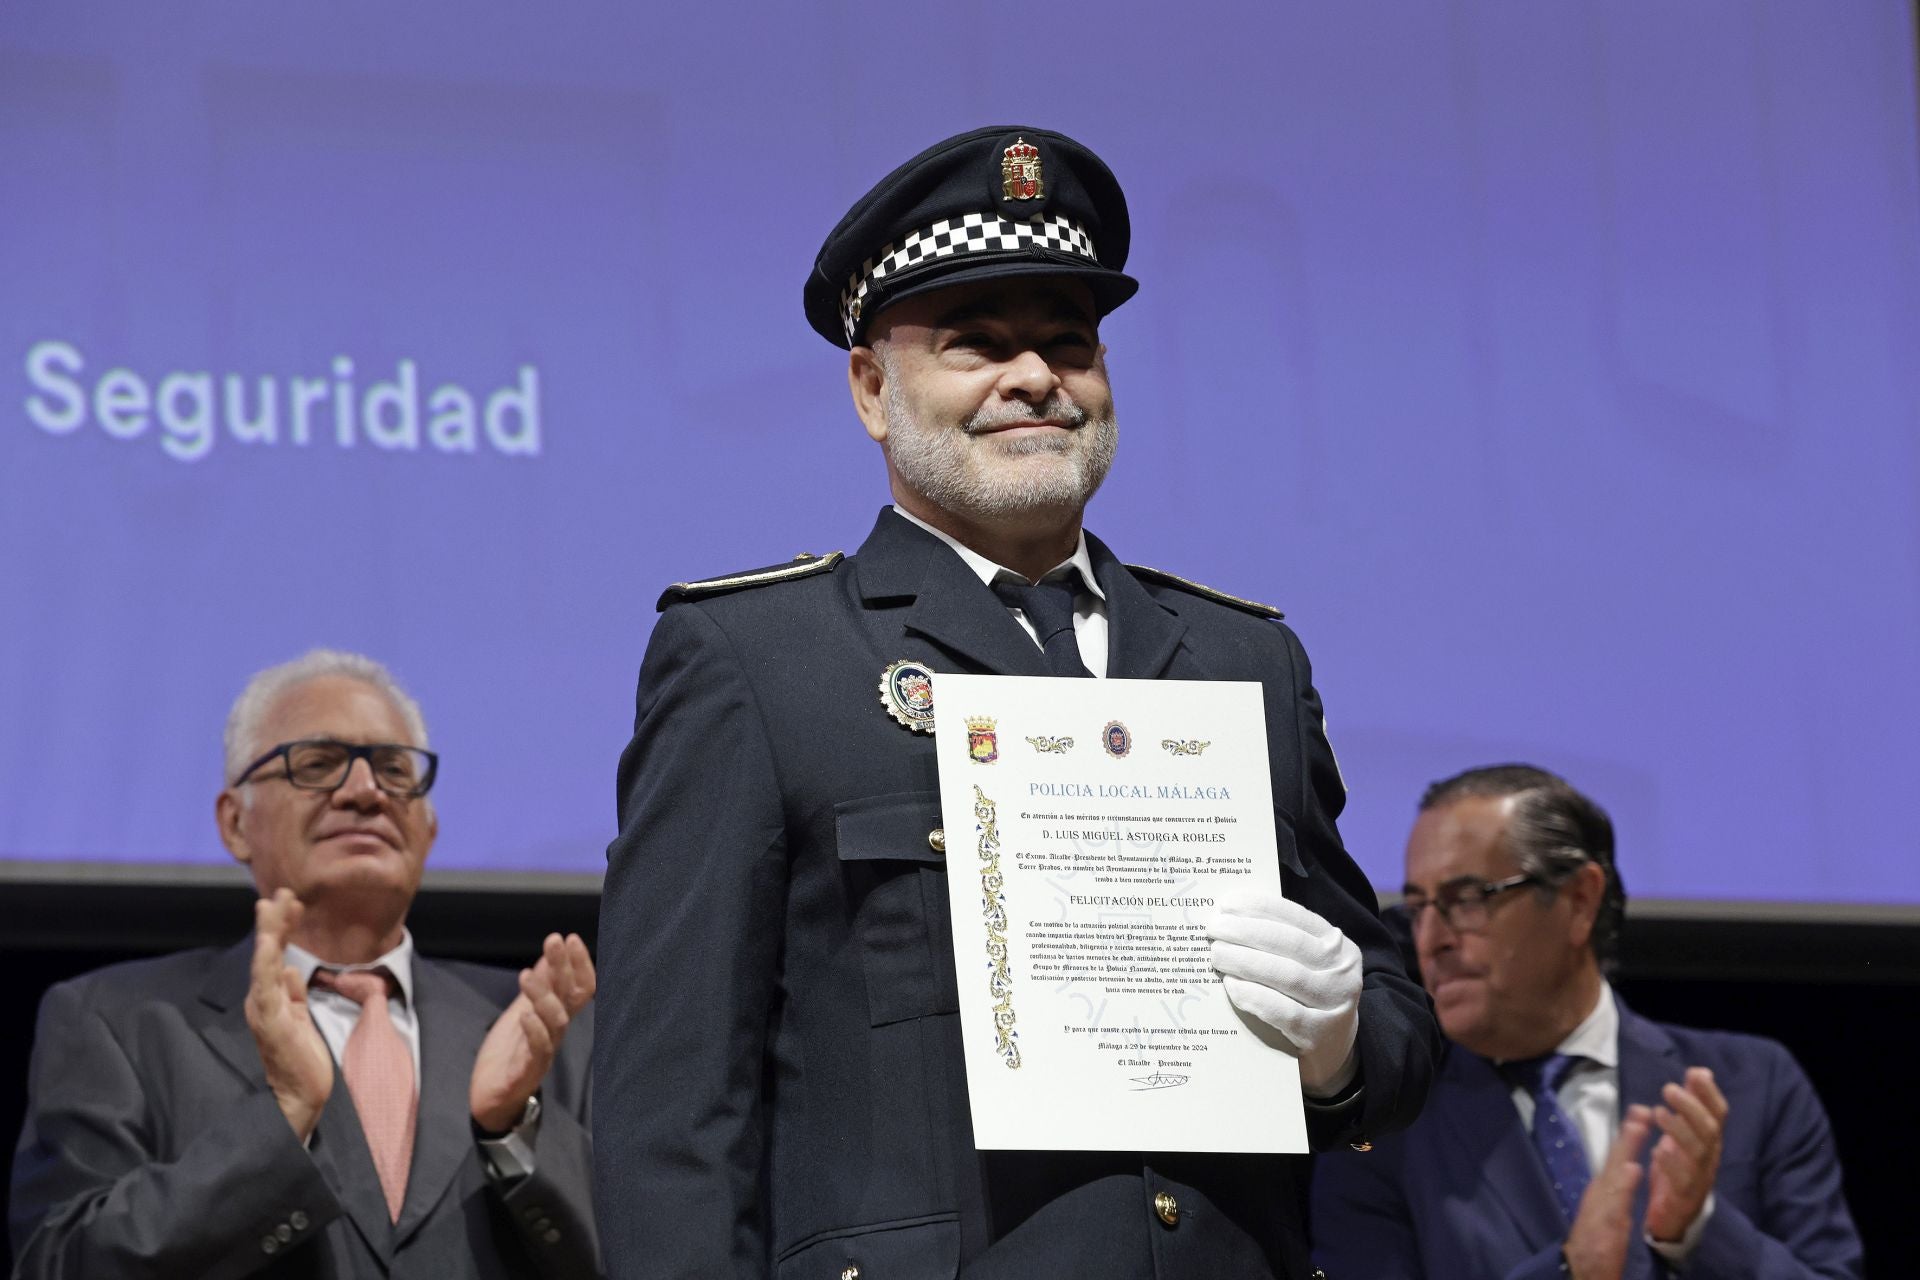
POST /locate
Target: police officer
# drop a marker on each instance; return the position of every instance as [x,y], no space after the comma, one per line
[780,1089]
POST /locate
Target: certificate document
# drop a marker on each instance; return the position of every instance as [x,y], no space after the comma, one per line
[1092,828]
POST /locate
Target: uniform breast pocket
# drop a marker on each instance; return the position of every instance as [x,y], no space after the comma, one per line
[896,877]
[911,1249]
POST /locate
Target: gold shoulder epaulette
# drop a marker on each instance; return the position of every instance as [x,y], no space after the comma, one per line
[1201,589]
[804,565]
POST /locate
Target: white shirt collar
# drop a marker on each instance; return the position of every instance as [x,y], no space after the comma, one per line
[986,570]
[1597,1038]
[398,962]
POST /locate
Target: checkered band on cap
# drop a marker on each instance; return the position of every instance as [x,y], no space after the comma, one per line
[968,233]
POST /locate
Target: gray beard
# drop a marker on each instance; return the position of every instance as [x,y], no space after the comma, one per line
[969,474]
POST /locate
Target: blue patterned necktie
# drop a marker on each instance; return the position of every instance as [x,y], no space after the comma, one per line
[1555,1136]
[1049,607]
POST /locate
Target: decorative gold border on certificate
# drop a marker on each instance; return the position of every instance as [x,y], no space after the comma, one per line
[993,905]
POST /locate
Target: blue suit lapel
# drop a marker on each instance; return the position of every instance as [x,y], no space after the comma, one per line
[338,1146]
[1648,1060]
[1486,1144]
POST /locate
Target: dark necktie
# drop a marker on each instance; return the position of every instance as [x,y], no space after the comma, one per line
[1555,1137]
[1049,607]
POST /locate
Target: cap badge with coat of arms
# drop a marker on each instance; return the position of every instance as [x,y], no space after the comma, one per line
[1020,177]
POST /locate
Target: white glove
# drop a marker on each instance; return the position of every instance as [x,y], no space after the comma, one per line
[1297,973]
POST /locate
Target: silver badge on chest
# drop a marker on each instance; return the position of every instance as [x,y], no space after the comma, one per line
[906,691]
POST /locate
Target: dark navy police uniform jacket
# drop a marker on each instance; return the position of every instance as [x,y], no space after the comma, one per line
[778,1072]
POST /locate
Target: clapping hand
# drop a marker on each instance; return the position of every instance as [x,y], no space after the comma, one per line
[517,1052]
[1597,1246]
[298,1063]
[1686,1160]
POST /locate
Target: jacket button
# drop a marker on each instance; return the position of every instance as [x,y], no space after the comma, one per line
[269,1244]
[852,1270]
[1167,1208]
[283,1233]
[937,839]
[551,1235]
[299,1220]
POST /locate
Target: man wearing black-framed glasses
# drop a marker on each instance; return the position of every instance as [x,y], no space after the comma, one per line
[1567,1136]
[319,1100]
[324,764]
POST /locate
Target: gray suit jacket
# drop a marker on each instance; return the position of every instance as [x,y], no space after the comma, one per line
[152,1146]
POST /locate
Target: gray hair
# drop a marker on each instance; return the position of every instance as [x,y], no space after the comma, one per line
[1552,830]
[242,738]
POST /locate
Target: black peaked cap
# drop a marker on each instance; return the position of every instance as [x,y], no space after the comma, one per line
[995,202]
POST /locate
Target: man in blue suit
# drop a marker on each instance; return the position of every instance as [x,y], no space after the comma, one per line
[1527,1160]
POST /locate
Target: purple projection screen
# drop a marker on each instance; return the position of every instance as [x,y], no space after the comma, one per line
[1552,365]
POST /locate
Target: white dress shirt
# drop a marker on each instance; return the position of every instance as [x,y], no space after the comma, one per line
[1590,1095]
[1089,602]
[336,1015]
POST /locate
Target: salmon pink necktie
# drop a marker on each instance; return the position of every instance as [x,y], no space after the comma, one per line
[379,1072]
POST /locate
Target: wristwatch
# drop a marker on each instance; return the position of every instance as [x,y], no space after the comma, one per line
[510,1156]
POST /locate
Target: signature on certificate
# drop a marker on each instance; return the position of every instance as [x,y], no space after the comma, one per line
[1158,1080]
